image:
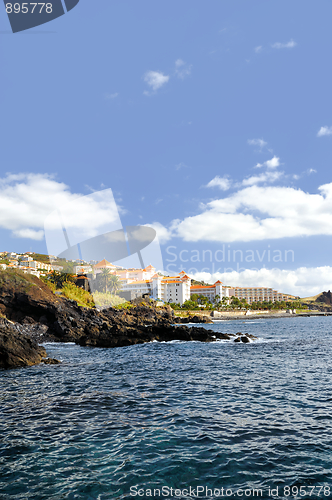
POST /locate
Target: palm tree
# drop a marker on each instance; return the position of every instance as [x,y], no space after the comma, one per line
[105,275]
[225,301]
[115,283]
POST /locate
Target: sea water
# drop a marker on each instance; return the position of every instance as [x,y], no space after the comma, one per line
[174,420]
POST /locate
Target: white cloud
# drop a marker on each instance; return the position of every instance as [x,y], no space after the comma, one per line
[26,200]
[163,233]
[273,163]
[303,282]
[111,96]
[222,183]
[155,80]
[264,177]
[182,69]
[289,45]
[311,171]
[31,234]
[324,131]
[258,213]
[257,142]
[258,49]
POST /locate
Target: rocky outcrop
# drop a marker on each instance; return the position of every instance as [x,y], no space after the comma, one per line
[325,298]
[119,337]
[18,350]
[37,312]
[196,318]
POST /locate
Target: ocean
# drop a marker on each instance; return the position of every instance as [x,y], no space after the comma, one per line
[174,420]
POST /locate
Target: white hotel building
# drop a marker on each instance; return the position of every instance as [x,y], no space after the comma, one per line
[140,282]
[211,291]
[250,294]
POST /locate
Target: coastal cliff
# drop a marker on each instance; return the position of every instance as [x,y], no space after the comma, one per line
[39,315]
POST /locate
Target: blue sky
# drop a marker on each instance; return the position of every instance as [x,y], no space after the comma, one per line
[211,120]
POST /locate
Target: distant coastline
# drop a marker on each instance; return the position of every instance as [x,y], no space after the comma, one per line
[236,315]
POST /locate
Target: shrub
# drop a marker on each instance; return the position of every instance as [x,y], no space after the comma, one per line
[82,297]
[107,299]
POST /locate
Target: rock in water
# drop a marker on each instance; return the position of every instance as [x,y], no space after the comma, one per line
[51,361]
[17,350]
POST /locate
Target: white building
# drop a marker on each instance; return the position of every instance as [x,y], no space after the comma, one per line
[147,282]
[26,258]
[258,294]
[103,264]
[168,289]
[82,269]
[250,294]
[12,255]
[34,264]
[210,291]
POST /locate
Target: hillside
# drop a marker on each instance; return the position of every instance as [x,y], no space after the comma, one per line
[321,302]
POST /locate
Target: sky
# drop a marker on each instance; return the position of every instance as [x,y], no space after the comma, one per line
[210,121]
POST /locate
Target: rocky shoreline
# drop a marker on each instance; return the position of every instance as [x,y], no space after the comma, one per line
[272,316]
[18,350]
[32,315]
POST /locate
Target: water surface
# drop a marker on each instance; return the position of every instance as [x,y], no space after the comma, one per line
[180,415]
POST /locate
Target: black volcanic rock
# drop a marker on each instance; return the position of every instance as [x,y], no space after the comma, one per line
[44,316]
[18,350]
[193,319]
[124,336]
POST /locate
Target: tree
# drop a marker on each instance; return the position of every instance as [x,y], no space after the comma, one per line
[59,279]
[189,304]
[115,283]
[225,301]
[245,304]
[235,303]
[105,276]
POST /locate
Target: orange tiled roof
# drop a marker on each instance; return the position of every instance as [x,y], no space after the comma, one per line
[202,286]
[103,263]
[171,281]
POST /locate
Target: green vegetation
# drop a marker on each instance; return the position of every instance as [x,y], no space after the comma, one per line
[16,278]
[82,297]
[200,302]
[65,283]
[105,296]
[108,299]
[68,267]
[309,300]
[106,281]
[40,257]
[125,305]
[58,279]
